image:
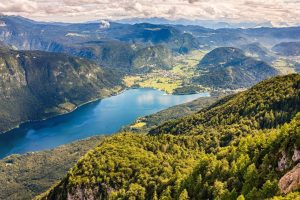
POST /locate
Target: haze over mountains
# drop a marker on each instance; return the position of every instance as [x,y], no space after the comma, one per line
[27,34]
[212,24]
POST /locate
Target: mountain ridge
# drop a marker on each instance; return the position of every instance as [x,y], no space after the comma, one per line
[229,67]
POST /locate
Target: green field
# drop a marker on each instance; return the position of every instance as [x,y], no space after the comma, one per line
[183,69]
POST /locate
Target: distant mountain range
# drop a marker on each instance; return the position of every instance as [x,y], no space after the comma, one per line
[212,24]
[26,34]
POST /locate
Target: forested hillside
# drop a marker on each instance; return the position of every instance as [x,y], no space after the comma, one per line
[287,48]
[244,146]
[253,167]
[25,176]
[35,85]
[228,67]
[266,105]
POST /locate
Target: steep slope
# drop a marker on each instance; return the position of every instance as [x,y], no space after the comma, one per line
[248,157]
[25,176]
[258,166]
[256,50]
[130,166]
[287,48]
[153,57]
[121,55]
[228,67]
[35,85]
[268,104]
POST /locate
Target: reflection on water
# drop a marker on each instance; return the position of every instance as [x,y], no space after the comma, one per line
[102,117]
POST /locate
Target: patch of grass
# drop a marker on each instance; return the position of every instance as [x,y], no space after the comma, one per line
[138,125]
[185,65]
[129,81]
[183,70]
[162,83]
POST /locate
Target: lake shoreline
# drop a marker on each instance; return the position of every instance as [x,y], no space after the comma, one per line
[65,113]
[123,89]
[88,119]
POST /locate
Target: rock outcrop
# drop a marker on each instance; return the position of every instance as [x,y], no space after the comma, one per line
[290,181]
[296,155]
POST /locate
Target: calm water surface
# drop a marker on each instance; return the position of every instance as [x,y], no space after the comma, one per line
[98,118]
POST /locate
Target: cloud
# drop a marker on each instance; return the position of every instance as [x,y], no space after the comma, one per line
[275,11]
[18,6]
[104,24]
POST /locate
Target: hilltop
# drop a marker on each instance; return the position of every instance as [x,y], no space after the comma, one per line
[287,48]
[228,67]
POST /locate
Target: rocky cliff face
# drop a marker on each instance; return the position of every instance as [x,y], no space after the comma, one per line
[35,85]
[290,181]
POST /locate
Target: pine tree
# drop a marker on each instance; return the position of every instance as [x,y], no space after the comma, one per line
[184,195]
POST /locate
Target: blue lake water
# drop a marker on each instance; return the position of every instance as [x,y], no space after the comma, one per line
[102,117]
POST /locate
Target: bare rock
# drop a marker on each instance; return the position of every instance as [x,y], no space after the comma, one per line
[296,155]
[290,181]
[282,163]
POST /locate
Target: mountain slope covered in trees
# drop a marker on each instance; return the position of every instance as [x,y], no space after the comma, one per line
[230,150]
[251,167]
[36,85]
[266,105]
[228,67]
[287,48]
[25,176]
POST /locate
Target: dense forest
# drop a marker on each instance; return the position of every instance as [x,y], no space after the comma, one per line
[245,146]
[266,105]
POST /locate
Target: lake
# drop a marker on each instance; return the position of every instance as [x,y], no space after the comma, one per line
[101,117]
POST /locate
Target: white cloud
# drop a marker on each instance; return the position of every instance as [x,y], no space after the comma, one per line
[276,11]
[104,24]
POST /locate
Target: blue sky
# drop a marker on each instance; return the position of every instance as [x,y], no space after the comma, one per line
[278,12]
